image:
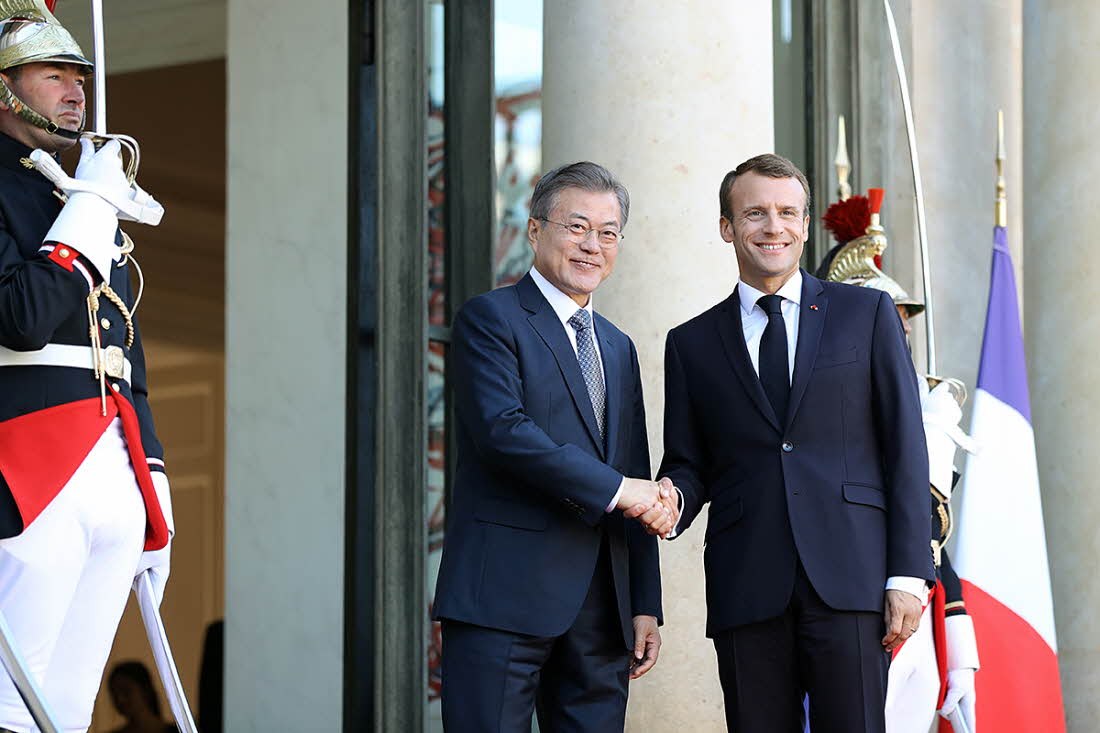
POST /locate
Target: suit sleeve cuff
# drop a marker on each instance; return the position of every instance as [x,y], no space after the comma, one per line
[615,499]
[914,586]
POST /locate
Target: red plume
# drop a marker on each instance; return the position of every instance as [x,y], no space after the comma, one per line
[875,196]
[848,219]
[50,4]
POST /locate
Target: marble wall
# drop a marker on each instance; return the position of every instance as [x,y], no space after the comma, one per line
[674,106]
[1062,155]
[286,269]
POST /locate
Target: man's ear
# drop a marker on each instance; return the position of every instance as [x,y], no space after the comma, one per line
[532,232]
[725,227]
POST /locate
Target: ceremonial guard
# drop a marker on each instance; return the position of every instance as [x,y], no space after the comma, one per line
[934,670]
[84,504]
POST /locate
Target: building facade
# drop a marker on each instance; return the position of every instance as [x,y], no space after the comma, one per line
[356,170]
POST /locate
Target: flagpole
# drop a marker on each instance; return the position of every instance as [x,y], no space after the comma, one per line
[1002,198]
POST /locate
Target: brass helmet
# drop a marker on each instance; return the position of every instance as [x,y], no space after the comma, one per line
[857,260]
[30,33]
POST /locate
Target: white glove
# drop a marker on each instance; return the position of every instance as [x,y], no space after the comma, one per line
[960,694]
[157,561]
[88,222]
[131,204]
[962,643]
[941,413]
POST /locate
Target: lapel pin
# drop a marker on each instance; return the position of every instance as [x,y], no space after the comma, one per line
[813,307]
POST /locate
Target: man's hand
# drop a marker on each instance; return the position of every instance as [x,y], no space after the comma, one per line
[638,492]
[658,516]
[647,645]
[902,618]
[960,693]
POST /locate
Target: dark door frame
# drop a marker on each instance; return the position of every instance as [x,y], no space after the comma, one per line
[386,602]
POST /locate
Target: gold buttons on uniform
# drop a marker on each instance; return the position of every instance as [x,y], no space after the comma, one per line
[106,324]
[114,386]
[64,252]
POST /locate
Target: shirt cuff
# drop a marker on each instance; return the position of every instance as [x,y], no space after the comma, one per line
[914,586]
[615,498]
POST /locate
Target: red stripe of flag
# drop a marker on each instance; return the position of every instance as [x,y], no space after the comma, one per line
[1018,685]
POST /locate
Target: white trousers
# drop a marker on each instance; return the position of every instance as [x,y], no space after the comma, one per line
[913,685]
[64,583]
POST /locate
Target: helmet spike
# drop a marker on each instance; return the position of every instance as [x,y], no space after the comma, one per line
[842,162]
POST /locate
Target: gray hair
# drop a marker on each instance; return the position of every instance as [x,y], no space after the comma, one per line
[584,175]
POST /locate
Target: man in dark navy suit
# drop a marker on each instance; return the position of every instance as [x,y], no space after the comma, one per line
[547,583]
[792,407]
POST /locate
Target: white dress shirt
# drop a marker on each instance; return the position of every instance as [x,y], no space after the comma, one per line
[753,322]
[564,307]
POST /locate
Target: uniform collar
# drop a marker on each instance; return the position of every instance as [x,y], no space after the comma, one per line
[791,290]
[12,152]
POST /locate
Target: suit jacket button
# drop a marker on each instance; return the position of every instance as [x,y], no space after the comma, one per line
[788,446]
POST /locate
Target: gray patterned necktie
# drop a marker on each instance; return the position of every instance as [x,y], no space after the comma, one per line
[581,321]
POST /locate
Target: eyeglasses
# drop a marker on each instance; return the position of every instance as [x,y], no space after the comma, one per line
[577,232]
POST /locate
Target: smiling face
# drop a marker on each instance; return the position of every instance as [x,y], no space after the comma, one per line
[575,268]
[768,229]
[55,91]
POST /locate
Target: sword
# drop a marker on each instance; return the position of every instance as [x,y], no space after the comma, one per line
[24,683]
[162,653]
[918,188]
[99,120]
[147,602]
[957,721]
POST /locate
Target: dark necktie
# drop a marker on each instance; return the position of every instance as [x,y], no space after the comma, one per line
[773,362]
[581,321]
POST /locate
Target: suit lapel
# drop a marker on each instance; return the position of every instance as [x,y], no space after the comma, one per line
[733,339]
[811,322]
[612,379]
[545,322]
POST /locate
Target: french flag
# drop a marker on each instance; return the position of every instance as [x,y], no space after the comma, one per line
[1001,551]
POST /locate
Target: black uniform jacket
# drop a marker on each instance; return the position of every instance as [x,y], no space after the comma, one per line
[43,300]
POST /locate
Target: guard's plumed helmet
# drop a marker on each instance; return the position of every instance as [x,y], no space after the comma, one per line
[854,223]
[30,33]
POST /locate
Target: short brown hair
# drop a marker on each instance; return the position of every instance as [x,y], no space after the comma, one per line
[768,164]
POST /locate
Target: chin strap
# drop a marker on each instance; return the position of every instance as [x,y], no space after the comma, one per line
[21,108]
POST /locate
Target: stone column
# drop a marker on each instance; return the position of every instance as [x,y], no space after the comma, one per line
[966,63]
[669,96]
[286,335]
[1062,325]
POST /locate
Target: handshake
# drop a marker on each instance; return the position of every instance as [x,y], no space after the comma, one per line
[656,504]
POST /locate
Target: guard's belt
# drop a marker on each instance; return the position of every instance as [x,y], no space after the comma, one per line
[59,355]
